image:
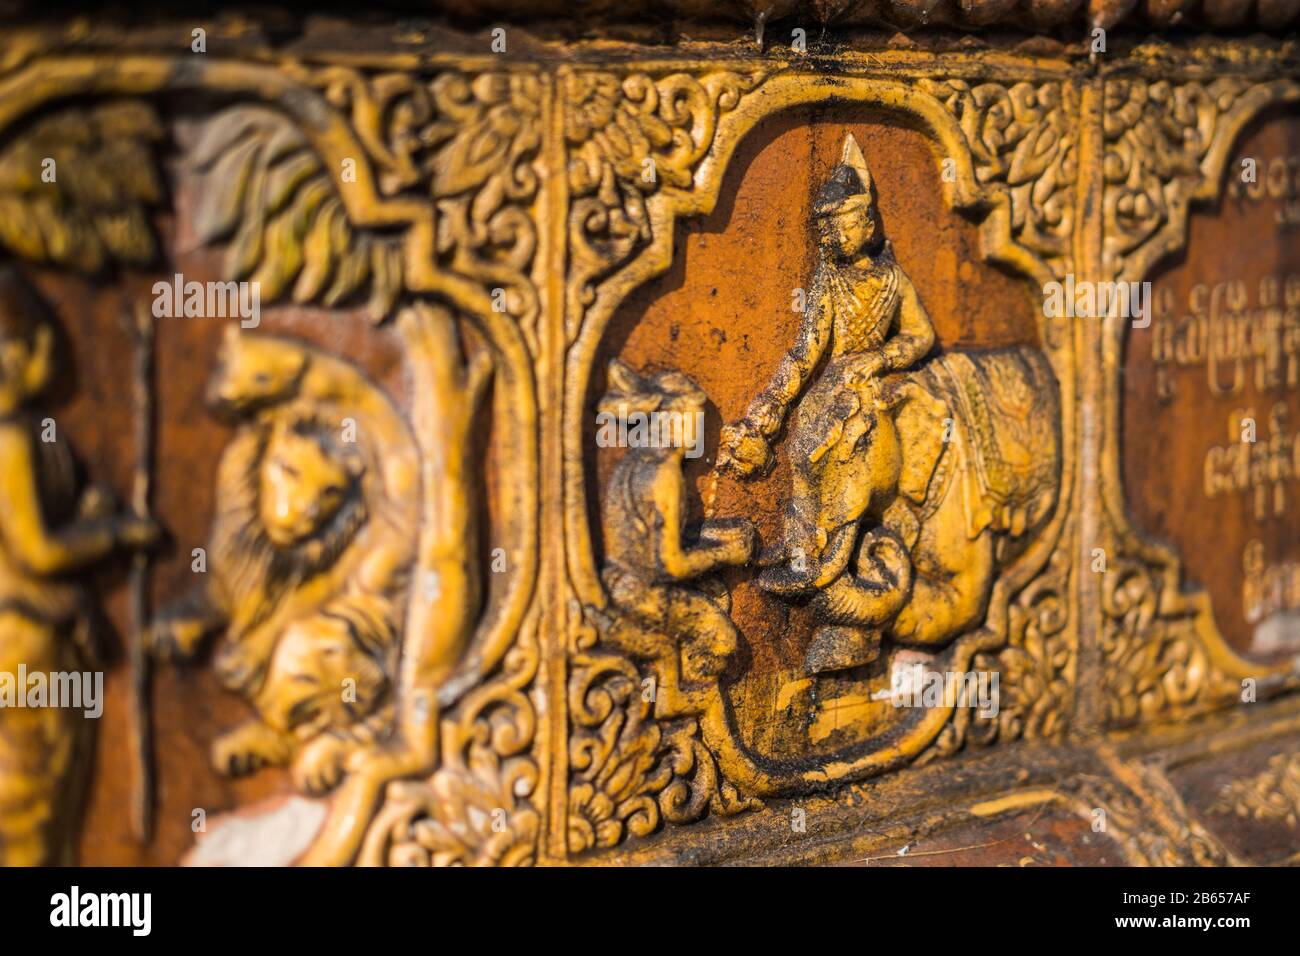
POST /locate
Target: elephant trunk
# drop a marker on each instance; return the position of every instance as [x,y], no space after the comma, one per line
[878,589]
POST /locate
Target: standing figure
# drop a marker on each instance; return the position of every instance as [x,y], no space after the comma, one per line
[48,533]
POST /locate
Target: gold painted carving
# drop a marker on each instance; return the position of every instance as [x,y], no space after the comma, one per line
[98,217]
[1022,136]
[309,560]
[470,141]
[1013,152]
[50,529]
[946,458]
[1166,147]
[634,754]
[431,195]
[631,138]
[327,182]
[1273,794]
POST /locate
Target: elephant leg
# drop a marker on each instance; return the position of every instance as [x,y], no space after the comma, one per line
[950,590]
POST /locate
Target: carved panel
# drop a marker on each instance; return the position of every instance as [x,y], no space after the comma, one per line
[590,452]
[1167,148]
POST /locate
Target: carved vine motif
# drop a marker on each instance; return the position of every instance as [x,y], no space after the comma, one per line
[476,808]
[629,771]
[1148,835]
[1157,135]
[1036,670]
[628,138]
[97,211]
[1037,666]
[1155,661]
[1273,794]
[1021,136]
[466,142]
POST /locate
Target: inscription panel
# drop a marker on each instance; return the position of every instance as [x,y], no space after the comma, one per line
[1211,443]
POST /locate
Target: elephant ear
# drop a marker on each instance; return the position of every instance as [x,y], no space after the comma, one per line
[922,420]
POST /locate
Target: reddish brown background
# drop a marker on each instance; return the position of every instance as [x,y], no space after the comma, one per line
[1164,443]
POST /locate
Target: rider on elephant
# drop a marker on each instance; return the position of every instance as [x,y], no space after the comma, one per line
[865,317]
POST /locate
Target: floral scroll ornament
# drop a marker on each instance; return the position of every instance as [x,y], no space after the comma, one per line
[1036,666]
[629,139]
[629,771]
[1036,672]
[1021,137]
[474,810]
[1157,135]
[466,142]
[1148,834]
[1155,662]
[1272,794]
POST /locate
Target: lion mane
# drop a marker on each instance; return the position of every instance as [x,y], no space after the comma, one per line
[253,575]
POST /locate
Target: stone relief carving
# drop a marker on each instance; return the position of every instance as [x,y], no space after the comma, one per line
[309,561]
[1166,148]
[963,547]
[52,527]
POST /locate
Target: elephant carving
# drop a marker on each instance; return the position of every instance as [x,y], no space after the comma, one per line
[910,492]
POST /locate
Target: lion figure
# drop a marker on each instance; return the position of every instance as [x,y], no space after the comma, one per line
[309,559]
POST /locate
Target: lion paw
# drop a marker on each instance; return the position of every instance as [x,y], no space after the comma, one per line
[318,767]
[248,748]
